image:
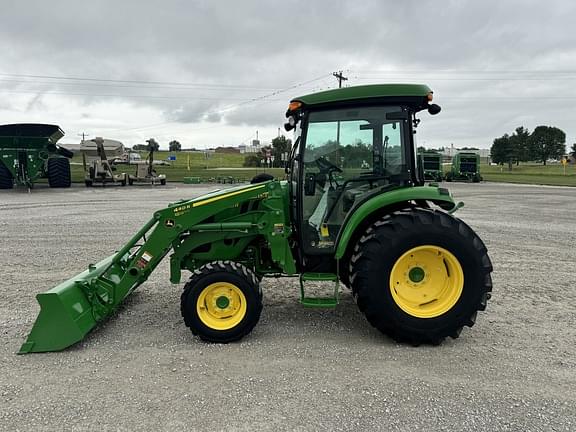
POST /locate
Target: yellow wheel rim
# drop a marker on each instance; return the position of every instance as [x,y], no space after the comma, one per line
[426,281]
[221,306]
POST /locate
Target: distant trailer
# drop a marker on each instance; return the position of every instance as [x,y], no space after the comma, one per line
[97,167]
[465,167]
[28,152]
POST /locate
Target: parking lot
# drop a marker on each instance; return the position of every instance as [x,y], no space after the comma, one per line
[300,369]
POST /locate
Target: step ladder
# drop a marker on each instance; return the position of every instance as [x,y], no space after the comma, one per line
[319,302]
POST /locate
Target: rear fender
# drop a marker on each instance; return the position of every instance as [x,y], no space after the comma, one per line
[389,200]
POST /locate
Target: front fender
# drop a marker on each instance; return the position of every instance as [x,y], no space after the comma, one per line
[437,195]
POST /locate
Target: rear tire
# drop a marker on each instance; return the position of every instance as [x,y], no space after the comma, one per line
[6,179]
[420,276]
[221,302]
[163,182]
[59,173]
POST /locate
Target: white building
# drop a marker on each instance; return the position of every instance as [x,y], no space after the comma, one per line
[255,147]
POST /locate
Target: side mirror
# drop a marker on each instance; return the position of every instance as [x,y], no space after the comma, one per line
[310,185]
[291,124]
[434,109]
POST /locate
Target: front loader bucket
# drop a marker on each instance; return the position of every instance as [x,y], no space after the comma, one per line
[69,311]
[66,315]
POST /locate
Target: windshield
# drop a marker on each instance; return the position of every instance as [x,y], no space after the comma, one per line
[356,140]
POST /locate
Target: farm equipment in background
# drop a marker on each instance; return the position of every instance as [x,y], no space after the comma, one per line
[431,162]
[145,172]
[418,273]
[97,167]
[465,167]
[28,152]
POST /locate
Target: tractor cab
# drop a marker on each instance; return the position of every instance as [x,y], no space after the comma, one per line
[351,144]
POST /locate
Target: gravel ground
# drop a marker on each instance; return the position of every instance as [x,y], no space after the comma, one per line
[300,369]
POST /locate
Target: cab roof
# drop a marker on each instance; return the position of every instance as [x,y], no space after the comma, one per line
[364,93]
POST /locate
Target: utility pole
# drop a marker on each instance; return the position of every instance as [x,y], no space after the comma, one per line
[339,77]
[83,135]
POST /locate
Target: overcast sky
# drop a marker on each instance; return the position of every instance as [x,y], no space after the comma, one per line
[211,73]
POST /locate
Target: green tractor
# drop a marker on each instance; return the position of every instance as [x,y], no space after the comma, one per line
[431,162]
[352,210]
[465,167]
[29,152]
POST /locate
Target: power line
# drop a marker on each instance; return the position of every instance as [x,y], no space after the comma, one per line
[54,77]
[112,85]
[429,78]
[119,95]
[260,99]
[467,71]
[225,109]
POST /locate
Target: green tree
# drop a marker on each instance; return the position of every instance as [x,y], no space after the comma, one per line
[573,151]
[356,155]
[251,161]
[280,145]
[547,142]
[174,146]
[520,144]
[502,151]
[152,145]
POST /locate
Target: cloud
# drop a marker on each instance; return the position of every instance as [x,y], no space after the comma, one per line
[214,62]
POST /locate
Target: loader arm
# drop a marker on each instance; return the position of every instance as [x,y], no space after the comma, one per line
[72,309]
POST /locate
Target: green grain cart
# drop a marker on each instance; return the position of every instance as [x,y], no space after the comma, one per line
[29,152]
[431,162]
[465,167]
[353,210]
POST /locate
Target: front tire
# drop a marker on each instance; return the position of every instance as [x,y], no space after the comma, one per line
[420,276]
[221,302]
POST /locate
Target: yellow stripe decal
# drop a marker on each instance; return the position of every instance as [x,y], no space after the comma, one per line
[219,197]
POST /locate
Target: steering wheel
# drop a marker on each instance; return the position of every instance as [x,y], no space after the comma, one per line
[326,167]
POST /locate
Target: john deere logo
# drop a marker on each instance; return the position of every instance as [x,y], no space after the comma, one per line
[169,223]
